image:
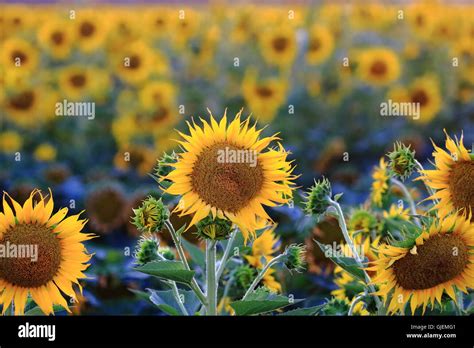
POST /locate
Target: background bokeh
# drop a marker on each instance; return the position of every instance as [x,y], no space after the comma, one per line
[315,72]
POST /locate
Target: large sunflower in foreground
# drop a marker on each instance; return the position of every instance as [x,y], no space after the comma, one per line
[61,256]
[209,181]
[439,260]
[453,178]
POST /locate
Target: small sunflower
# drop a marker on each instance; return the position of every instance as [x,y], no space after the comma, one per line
[57,38]
[137,157]
[425,92]
[378,66]
[90,31]
[45,152]
[278,45]
[10,142]
[19,54]
[263,97]
[453,178]
[380,185]
[157,93]
[105,207]
[75,82]
[237,191]
[263,247]
[62,256]
[418,273]
[320,44]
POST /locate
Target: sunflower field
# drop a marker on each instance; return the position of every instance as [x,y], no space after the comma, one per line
[234,158]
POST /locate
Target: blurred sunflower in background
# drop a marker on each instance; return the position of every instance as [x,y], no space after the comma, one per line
[62,256]
[278,45]
[378,66]
[320,44]
[19,54]
[57,38]
[90,30]
[425,92]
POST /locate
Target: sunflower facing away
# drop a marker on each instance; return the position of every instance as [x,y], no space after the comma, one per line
[453,178]
[438,261]
[61,256]
[210,182]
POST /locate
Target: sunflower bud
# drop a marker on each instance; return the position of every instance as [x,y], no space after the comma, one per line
[165,164]
[147,250]
[295,257]
[214,229]
[402,161]
[317,199]
[362,220]
[244,276]
[151,215]
[167,253]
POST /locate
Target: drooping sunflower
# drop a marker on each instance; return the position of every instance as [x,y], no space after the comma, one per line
[263,96]
[453,178]
[209,182]
[278,45]
[320,44]
[61,260]
[380,185]
[438,261]
[19,54]
[378,66]
[57,38]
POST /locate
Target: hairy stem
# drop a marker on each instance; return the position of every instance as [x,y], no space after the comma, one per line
[259,277]
[211,279]
[408,197]
[227,251]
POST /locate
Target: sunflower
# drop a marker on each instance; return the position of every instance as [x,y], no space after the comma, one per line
[138,157]
[453,178]
[278,45]
[419,272]
[263,247]
[425,92]
[75,82]
[378,66]
[237,191]
[19,54]
[57,38]
[90,31]
[158,22]
[381,178]
[61,255]
[45,152]
[157,93]
[136,62]
[10,142]
[397,212]
[421,20]
[320,44]
[263,97]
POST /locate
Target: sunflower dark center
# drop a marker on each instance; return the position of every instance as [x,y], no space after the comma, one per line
[136,158]
[24,269]
[135,62]
[419,96]
[161,114]
[440,259]
[78,80]
[280,44]
[17,54]
[23,101]
[87,29]
[315,44]
[378,68]
[264,91]
[105,206]
[461,185]
[224,184]
[57,37]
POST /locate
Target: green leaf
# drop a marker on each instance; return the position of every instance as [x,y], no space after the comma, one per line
[37,311]
[260,302]
[171,270]
[349,264]
[197,255]
[166,301]
[310,311]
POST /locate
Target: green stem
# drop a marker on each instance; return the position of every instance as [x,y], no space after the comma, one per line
[211,277]
[343,226]
[259,277]
[408,197]
[460,303]
[227,251]
[179,247]
[353,304]
[175,290]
